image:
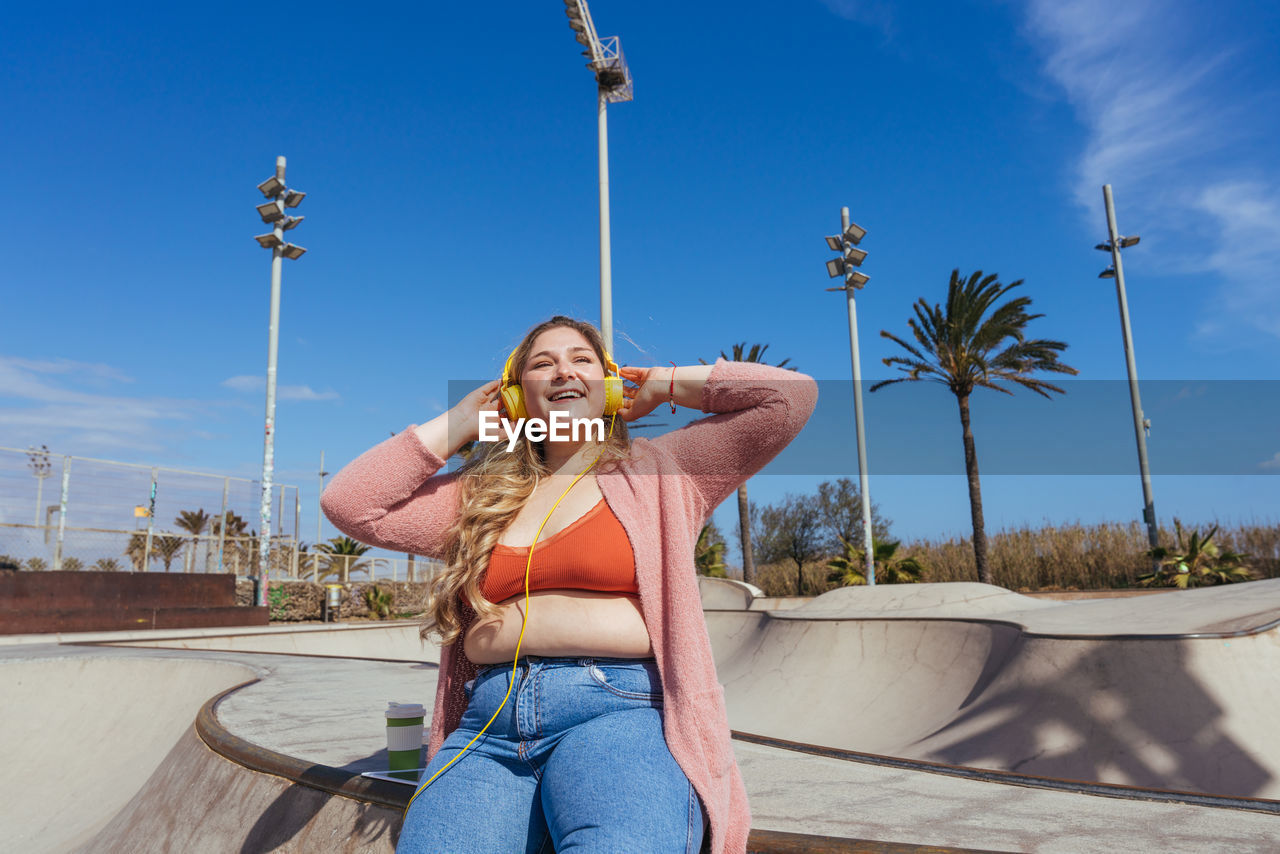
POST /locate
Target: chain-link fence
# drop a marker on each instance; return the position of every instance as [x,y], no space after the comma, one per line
[323,567]
[76,513]
[68,513]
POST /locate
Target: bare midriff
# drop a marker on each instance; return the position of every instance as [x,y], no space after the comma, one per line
[561,623]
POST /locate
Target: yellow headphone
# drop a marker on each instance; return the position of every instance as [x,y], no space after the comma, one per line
[513,394]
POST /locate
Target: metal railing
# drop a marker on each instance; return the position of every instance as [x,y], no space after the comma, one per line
[367,567]
[108,515]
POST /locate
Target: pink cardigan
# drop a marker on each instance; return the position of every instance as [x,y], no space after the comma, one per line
[391,497]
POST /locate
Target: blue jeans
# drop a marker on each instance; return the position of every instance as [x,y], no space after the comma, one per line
[575,761]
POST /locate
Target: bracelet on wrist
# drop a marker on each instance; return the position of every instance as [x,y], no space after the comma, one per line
[671,394]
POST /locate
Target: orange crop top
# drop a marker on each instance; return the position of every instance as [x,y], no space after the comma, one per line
[593,553]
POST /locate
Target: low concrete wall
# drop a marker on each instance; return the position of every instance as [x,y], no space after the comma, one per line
[87,601]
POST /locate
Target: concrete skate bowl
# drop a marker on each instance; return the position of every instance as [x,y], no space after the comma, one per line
[82,735]
[104,756]
[390,641]
[977,677]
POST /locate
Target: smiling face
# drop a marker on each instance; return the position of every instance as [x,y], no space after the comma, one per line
[563,372]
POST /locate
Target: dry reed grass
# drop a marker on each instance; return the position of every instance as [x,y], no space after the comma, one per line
[1102,556]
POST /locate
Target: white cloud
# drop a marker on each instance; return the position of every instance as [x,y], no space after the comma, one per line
[29,379]
[68,366]
[1273,463]
[1138,87]
[304,392]
[244,383]
[1246,243]
[49,410]
[873,13]
[250,383]
[1171,127]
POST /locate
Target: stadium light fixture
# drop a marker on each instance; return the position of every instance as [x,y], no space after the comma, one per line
[271,211]
[271,187]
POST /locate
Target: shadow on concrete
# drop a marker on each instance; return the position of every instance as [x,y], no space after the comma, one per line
[299,806]
[1132,712]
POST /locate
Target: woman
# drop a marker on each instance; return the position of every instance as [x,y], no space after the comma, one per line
[610,732]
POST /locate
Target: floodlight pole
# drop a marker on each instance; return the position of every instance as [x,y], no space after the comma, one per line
[613,83]
[318,494]
[850,257]
[269,444]
[1148,501]
[606,259]
[864,485]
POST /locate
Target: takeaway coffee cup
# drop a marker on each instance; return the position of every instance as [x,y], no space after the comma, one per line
[404,739]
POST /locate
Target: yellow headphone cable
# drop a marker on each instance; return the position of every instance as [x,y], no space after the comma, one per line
[525,617]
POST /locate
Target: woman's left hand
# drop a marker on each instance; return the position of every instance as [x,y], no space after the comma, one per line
[651,388]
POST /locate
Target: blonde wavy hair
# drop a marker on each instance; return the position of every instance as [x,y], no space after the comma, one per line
[494,485]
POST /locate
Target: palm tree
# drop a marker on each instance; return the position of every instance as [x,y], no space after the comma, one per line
[166,548]
[960,349]
[343,557]
[849,569]
[742,354]
[106,564]
[136,551]
[237,532]
[708,553]
[193,522]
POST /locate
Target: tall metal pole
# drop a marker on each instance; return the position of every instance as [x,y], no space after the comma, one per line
[297,532]
[318,494]
[863,480]
[151,520]
[269,445]
[606,261]
[222,521]
[62,512]
[1148,502]
[40,493]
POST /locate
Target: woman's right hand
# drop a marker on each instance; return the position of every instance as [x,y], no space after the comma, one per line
[449,431]
[464,417]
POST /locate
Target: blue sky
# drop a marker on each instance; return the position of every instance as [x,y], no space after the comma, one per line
[449,154]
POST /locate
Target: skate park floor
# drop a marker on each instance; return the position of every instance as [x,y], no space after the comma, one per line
[910,718]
